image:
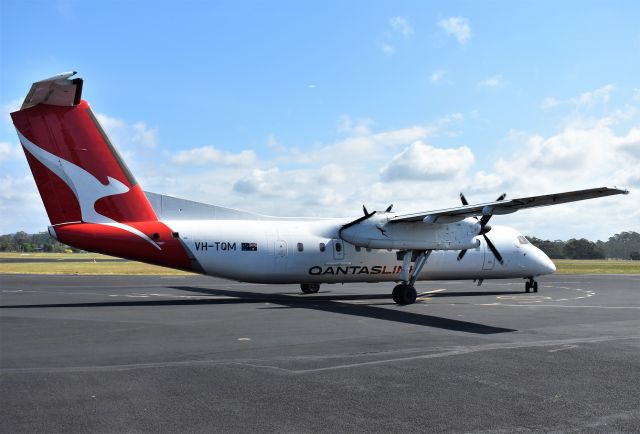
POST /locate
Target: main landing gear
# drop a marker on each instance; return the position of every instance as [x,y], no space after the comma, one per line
[531,285]
[310,288]
[405,293]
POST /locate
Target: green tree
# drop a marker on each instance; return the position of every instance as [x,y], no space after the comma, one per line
[582,249]
[553,249]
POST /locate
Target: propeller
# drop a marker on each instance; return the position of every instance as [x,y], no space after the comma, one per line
[484,228]
[366,215]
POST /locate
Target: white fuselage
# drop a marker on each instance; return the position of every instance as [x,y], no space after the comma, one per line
[310,251]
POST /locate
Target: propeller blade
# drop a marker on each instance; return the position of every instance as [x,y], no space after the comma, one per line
[389,208]
[485,218]
[493,249]
[464,200]
[461,254]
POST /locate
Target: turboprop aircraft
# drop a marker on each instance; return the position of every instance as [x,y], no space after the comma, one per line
[94,203]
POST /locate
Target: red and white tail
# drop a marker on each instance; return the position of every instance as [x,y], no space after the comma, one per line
[92,199]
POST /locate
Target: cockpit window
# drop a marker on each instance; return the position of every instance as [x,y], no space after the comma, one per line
[523,240]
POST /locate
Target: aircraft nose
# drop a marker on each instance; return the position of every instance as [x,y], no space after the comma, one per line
[543,263]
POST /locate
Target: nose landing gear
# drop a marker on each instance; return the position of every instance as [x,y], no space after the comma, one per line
[531,285]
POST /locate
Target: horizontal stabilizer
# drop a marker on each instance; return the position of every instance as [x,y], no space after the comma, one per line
[58,90]
[173,208]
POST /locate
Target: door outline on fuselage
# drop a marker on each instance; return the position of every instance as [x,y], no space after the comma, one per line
[280,249]
[489,260]
[338,249]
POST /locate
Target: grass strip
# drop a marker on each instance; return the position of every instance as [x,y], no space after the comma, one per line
[564,266]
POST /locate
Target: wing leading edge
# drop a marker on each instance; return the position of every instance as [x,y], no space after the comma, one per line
[506,206]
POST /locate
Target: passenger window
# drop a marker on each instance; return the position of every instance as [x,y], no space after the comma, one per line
[300,247]
[322,247]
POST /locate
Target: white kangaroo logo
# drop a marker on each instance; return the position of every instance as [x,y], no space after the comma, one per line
[86,187]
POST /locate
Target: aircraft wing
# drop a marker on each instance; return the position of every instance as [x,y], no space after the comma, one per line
[506,206]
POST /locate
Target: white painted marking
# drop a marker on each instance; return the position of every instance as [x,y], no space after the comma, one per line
[566,347]
[564,305]
[443,352]
[431,292]
[244,339]
[528,298]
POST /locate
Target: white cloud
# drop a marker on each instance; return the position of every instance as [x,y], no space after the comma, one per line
[335,178]
[636,94]
[549,102]
[357,127]
[486,182]
[9,151]
[458,27]
[373,145]
[10,107]
[125,135]
[210,154]
[399,29]
[582,155]
[600,95]
[274,145]
[493,81]
[578,155]
[401,25]
[387,48]
[20,205]
[437,76]
[423,162]
[585,100]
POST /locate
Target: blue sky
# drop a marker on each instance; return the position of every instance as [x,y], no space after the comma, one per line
[313,108]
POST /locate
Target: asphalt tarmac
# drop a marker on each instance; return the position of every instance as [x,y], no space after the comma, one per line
[199,354]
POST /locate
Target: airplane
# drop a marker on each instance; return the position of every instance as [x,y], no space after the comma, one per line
[94,203]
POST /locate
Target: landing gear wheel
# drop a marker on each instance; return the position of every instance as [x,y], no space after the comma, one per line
[310,288]
[404,294]
[527,287]
[535,286]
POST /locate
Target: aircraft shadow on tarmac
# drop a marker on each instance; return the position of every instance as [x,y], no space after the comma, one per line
[325,303]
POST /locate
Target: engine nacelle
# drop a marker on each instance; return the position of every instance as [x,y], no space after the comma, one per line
[378,233]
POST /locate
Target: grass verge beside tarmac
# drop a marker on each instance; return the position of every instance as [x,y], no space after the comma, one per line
[83,263]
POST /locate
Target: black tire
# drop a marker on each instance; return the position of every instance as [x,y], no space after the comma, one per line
[394,293]
[404,294]
[535,286]
[310,288]
[527,287]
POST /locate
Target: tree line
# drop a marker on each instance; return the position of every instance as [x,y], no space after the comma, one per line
[625,245]
[40,242]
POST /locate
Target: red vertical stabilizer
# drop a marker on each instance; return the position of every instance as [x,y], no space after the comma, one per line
[92,199]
